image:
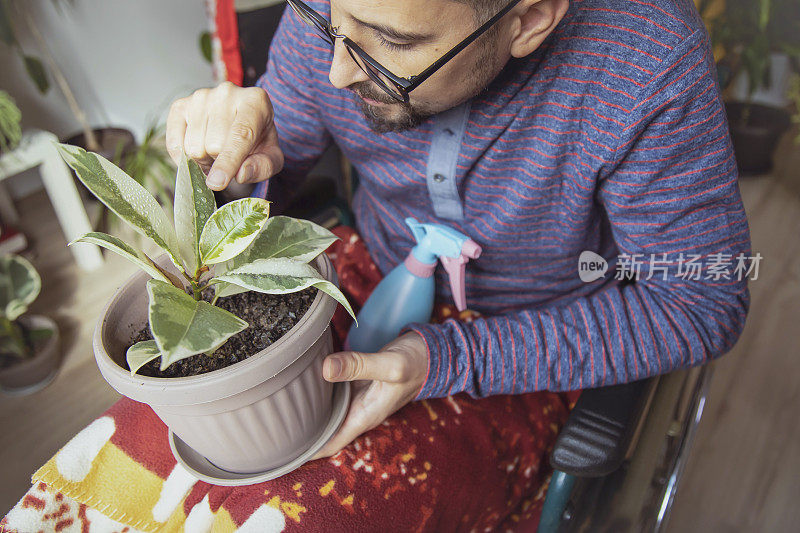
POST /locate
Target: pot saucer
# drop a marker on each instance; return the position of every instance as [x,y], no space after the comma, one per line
[203,469]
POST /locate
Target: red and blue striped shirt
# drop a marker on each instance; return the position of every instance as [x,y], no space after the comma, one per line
[611,138]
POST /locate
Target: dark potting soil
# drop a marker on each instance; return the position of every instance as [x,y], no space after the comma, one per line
[270,316]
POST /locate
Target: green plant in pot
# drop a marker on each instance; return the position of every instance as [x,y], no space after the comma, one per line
[244,412]
[747,35]
[28,343]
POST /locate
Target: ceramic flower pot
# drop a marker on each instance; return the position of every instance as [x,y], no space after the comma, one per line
[31,375]
[755,132]
[257,414]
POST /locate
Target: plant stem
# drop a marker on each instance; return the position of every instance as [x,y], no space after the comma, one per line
[197,291]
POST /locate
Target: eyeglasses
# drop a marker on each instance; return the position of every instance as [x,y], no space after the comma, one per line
[396,86]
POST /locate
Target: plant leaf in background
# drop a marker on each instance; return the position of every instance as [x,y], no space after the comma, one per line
[37,73]
[231,229]
[194,205]
[19,285]
[124,196]
[140,354]
[280,276]
[205,46]
[10,118]
[183,327]
[127,251]
[301,240]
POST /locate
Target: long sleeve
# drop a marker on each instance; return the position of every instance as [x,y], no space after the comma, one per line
[289,82]
[671,189]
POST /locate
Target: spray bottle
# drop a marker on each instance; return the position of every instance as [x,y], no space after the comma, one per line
[406,295]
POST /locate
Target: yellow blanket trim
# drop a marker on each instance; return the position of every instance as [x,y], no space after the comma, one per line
[137,478]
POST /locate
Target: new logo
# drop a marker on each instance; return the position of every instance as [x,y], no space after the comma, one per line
[591,266]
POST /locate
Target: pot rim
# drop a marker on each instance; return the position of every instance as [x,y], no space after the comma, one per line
[224,382]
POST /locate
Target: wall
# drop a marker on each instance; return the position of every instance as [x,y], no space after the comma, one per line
[125,60]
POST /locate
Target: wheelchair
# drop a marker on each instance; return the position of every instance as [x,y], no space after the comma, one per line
[618,460]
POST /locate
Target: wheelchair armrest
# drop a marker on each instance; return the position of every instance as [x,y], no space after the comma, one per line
[599,431]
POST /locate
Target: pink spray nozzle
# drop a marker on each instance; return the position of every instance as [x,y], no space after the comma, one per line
[456,268]
[451,247]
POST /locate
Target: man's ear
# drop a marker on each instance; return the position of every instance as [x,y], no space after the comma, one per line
[535,22]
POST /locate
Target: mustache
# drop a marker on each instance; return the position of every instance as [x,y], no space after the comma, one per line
[366,90]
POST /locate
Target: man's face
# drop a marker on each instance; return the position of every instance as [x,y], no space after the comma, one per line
[406,36]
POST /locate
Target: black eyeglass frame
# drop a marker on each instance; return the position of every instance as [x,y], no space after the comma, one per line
[402,85]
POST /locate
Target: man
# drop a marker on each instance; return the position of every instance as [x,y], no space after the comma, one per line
[565,127]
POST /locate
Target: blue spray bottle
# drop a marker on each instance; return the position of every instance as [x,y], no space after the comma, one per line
[406,295]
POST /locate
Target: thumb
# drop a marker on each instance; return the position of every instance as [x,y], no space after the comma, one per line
[351,366]
[261,165]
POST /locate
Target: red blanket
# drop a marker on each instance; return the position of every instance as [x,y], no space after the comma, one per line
[449,464]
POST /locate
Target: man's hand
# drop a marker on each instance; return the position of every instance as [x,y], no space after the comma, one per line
[393,377]
[229,131]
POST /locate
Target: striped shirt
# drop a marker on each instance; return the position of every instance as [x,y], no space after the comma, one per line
[610,138]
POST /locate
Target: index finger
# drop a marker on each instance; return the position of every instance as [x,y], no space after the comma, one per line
[176,130]
[243,137]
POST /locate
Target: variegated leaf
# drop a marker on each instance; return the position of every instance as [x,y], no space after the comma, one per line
[280,276]
[124,196]
[140,354]
[131,253]
[223,289]
[183,327]
[231,229]
[20,285]
[294,238]
[194,205]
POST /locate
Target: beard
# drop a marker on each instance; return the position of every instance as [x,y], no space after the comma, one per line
[408,115]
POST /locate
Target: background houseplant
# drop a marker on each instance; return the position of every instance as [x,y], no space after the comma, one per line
[228,251]
[28,344]
[751,38]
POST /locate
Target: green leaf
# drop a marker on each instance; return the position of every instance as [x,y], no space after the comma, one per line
[131,253]
[19,285]
[281,275]
[183,327]
[194,205]
[205,46]
[231,229]
[124,196]
[140,354]
[37,73]
[223,289]
[765,10]
[297,239]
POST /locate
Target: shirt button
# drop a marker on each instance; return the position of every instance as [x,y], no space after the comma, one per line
[438,178]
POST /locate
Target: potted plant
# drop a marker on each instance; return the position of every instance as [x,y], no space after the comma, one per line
[246,392]
[747,36]
[29,353]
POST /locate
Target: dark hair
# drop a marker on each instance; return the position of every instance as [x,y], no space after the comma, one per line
[485,9]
